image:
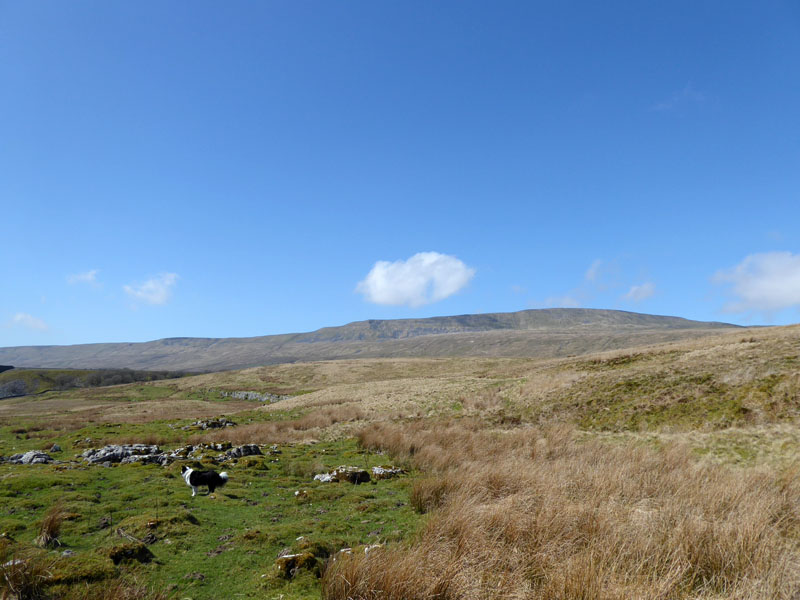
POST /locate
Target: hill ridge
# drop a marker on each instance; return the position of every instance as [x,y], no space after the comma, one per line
[533,332]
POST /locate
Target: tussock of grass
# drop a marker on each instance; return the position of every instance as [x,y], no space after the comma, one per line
[121,589]
[50,528]
[283,431]
[24,575]
[535,514]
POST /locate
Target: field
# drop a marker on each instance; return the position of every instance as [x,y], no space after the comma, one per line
[662,471]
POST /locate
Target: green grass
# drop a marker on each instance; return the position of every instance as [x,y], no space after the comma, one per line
[645,401]
[232,539]
[38,381]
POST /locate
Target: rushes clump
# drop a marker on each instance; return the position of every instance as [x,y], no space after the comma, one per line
[50,528]
[119,589]
[24,575]
[540,514]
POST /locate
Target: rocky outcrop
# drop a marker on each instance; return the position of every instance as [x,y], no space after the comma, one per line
[386,472]
[340,474]
[32,457]
[260,397]
[118,453]
[146,454]
[241,451]
[206,424]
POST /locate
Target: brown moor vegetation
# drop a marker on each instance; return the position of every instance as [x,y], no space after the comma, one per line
[664,471]
[537,513]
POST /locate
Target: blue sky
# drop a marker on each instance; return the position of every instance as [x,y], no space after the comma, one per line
[249,168]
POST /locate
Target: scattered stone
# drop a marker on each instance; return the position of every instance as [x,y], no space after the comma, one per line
[117,453]
[339,474]
[104,522]
[68,553]
[32,457]
[145,459]
[147,454]
[55,448]
[265,397]
[150,538]
[240,451]
[204,424]
[383,472]
[195,575]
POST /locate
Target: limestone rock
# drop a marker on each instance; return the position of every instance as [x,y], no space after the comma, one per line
[383,472]
[343,473]
[32,457]
[240,451]
[116,453]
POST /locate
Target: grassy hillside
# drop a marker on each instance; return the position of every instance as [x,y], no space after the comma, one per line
[20,382]
[665,472]
[533,333]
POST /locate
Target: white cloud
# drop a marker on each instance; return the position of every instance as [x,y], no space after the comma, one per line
[593,272]
[89,277]
[687,96]
[424,278]
[763,282]
[29,322]
[157,290]
[637,293]
[561,302]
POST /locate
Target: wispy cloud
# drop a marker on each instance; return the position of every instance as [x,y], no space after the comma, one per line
[157,290]
[566,301]
[424,278]
[29,322]
[638,293]
[765,282]
[89,277]
[685,97]
[593,272]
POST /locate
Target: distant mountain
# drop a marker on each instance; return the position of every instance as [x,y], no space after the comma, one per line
[538,333]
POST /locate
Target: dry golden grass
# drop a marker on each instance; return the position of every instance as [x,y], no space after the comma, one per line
[25,575]
[119,589]
[50,527]
[537,514]
[605,477]
[68,412]
[307,427]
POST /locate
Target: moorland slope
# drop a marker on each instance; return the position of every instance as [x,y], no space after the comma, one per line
[543,333]
[667,471]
